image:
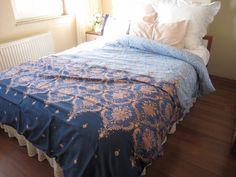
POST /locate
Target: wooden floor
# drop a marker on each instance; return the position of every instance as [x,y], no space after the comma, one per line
[199,148]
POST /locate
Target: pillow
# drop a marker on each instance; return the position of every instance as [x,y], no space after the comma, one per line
[168,33]
[200,16]
[115,28]
[148,9]
[202,52]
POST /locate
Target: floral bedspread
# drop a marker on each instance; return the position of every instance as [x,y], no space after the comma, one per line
[94,119]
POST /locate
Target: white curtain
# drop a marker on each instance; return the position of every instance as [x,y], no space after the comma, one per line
[84,12]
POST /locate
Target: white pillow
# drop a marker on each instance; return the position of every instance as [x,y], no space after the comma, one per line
[200,16]
[202,52]
[169,33]
[115,27]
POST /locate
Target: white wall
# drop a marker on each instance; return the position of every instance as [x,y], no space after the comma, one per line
[63,29]
[223,29]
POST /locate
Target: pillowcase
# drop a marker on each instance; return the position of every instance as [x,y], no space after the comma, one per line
[168,33]
[202,52]
[200,16]
[148,9]
[115,27]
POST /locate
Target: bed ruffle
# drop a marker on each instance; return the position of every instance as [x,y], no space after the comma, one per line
[32,151]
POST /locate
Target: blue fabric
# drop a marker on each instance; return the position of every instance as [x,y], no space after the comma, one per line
[148,57]
[205,84]
[102,112]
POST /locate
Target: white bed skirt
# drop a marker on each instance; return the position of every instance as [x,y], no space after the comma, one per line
[32,151]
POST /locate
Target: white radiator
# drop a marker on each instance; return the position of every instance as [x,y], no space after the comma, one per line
[20,51]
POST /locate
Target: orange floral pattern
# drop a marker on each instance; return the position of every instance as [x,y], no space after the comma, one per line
[137,104]
[121,114]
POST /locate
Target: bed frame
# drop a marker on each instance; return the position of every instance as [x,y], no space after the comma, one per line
[209,40]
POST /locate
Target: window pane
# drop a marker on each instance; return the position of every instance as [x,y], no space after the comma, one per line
[24,9]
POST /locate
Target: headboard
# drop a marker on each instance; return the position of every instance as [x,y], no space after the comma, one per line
[208,40]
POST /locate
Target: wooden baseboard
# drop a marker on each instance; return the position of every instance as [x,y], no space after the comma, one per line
[229,82]
[222,78]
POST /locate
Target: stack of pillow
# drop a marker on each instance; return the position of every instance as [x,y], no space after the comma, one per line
[168,33]
[199,16]
[179,23]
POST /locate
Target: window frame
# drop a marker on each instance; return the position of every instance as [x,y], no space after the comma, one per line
[36,18]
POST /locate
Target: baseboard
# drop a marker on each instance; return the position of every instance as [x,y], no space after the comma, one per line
[223,79]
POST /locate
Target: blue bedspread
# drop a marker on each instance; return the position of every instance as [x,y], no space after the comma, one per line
[102,111]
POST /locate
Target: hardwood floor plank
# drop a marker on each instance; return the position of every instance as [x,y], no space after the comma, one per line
[14,161]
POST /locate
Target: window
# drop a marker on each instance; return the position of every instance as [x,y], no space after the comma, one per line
[27,10]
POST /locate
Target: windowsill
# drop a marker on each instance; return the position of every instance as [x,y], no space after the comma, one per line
[39,19]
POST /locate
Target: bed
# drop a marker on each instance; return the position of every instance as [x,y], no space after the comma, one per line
[104,108]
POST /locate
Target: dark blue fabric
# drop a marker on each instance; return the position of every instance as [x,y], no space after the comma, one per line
[94,120]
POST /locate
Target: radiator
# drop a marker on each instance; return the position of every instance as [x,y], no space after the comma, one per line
[23,50]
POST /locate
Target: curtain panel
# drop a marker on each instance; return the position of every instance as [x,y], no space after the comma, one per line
[84,13]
